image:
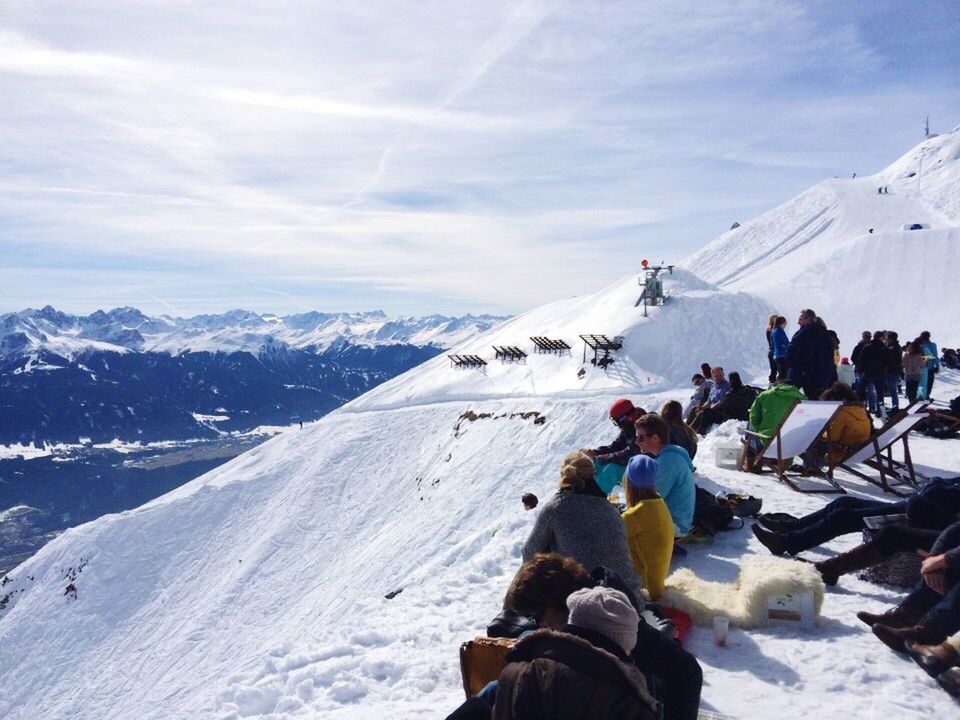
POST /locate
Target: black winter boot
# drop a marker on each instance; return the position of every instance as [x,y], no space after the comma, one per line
[770,540]
[862,556]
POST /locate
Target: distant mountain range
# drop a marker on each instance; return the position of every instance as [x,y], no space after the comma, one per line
[125,329]
[124,375]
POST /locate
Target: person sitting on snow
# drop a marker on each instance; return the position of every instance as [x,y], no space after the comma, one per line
[649,527]
[675,482]
[735,405]
[582,670]
[702,387]
[610,461]
[719,388]
[931,612]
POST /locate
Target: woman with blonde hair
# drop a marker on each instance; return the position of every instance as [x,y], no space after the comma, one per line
[579,522]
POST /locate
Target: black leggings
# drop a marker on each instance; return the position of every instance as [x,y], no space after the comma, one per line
[898,538]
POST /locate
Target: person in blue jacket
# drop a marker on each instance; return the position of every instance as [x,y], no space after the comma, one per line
[933,364]
[675,483]
[780,342]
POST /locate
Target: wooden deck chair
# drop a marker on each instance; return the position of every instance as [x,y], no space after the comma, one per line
[799,429]
[877,453]
[482,660]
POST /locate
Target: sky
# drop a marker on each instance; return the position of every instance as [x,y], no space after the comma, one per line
[188,156]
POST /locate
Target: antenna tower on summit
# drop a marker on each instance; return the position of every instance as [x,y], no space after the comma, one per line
[652,285]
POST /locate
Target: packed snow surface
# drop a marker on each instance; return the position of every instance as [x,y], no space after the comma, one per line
[333,571]
[817,250]
[258,590]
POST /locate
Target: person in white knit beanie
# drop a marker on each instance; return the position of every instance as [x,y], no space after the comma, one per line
[606,611]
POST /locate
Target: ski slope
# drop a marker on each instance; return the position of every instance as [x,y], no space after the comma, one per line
[259,589]
[817,250]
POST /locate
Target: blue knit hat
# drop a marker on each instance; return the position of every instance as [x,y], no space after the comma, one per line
[642,472]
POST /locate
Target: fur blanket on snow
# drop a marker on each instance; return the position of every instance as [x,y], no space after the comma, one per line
[744,602]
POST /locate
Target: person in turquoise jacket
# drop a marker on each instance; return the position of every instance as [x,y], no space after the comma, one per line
[933,359]
[675,482]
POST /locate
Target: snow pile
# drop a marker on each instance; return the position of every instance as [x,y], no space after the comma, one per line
[817,250]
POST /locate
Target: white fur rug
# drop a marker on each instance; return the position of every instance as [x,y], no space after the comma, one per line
[744,602]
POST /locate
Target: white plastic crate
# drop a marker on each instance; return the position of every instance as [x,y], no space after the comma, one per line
[726,456]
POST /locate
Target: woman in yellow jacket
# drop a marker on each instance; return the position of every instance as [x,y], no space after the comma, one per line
[648,524]
[849,429]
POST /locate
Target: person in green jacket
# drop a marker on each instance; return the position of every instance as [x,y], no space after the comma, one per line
[766,414]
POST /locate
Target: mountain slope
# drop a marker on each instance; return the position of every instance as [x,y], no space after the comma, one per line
[817,249]
[259,589]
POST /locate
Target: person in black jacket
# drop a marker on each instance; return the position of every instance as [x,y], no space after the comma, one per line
[806,355]
[611,460]
[858,385]
[894,372]
[874,359]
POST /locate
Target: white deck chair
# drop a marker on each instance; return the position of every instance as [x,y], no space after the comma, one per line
[800,428]
[877,452]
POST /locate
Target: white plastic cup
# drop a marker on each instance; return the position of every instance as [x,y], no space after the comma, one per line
[721,626]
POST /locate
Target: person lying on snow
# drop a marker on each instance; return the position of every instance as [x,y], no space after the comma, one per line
[934,507]
[610,460]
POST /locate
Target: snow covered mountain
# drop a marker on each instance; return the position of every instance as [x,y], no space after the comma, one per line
[123,329]
[846,249]
[332,572]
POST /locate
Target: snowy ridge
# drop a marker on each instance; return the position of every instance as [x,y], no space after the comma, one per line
[126,329]
[698,321]
[817,249]
[260,590]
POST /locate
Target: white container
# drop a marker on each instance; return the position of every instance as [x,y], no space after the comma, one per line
[726,456]
[793,608]
[721,627]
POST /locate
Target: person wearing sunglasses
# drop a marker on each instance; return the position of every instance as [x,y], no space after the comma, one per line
[610,461]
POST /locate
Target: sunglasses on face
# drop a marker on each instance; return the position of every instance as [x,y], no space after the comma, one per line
[621,419]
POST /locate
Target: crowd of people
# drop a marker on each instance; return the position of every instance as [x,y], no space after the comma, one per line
[593,643]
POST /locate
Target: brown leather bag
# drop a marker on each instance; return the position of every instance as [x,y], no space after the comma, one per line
[482,660]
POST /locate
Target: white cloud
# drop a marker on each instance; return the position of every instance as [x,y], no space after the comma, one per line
[500,153]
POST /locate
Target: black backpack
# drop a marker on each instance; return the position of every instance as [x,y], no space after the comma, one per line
[710,516]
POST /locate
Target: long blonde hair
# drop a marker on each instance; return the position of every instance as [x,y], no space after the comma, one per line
[772,321]
[575,470]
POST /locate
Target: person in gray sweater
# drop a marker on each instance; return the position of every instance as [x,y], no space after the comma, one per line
[579,522]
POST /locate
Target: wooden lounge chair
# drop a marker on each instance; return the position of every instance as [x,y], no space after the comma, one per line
[800,428]
[482,660]
[877,453]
